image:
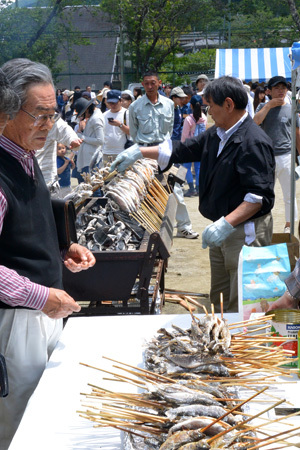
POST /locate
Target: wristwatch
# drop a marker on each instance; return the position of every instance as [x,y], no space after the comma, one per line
[121,125]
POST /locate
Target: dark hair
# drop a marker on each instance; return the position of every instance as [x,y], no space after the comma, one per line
[254,86]
[151,73]
[197,112]
[257,101]
[138,92]
[221,88]
[103,106]
[91,108]
[76,87]
[126,97]
[188,90]
[108,83]
[196,103]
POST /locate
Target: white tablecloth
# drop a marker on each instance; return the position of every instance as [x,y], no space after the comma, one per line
[51,420]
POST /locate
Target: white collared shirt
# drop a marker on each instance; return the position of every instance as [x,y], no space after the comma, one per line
[224,135]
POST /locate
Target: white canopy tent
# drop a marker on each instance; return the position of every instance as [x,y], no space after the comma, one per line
[253,64]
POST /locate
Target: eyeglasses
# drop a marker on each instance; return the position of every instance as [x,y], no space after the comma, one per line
[42,118]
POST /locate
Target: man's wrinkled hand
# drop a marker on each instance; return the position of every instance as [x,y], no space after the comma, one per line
[59,304]
[216,233]
[126,159]
[79,258]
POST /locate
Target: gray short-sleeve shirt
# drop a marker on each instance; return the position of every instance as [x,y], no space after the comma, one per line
[277,125]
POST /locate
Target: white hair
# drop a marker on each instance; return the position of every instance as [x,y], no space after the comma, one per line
[23,73]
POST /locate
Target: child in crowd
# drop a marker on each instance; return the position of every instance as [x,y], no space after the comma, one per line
[64,166]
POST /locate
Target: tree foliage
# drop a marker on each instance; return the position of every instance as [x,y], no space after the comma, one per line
[151,28]
[181,70]
[37,33]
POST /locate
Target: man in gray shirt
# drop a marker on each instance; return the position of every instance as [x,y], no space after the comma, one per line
[275,118]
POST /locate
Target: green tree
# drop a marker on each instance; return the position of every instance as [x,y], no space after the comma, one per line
[151,28]
[178,70]
[38,33]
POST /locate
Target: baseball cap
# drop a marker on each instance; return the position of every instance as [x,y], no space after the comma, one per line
[276,80]
[113,96]
[178,92]
[196,99]
[86,94]
[128,91]
[202,77]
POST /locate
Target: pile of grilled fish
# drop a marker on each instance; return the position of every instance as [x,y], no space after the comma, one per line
[107,228]
[111,226]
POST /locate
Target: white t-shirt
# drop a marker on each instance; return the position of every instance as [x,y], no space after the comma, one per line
[114,137]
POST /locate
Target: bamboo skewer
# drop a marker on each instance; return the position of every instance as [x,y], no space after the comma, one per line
[138,383]
[221,304]
[194,302]
[142,222]
[269,441]
[255,427]
[233,409]
[161,377]
[158,198]
[245,421]
[160,188]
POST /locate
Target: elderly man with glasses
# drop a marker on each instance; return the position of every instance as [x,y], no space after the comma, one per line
[32,299]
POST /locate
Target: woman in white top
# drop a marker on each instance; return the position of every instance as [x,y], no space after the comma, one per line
[92,135]
[116,127]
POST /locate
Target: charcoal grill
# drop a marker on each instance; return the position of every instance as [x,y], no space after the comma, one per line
[106,288]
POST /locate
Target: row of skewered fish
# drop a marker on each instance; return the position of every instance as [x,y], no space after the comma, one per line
[189,358]
[126,190]
[130,208]
[189,397]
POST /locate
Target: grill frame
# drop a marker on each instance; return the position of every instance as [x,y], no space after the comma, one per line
[106,288]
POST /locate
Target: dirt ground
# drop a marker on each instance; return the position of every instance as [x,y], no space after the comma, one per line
[188,266]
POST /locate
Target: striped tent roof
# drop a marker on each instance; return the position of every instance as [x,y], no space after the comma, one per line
[253,64]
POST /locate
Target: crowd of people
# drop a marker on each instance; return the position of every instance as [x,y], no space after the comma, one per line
[236,162]
[110,132]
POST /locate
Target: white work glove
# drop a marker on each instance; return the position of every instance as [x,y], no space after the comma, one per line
[216,233]
[126,159]
[297,170]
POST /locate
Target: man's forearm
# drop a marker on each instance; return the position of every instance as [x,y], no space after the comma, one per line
[260,116]
[242,213]
[150,152]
